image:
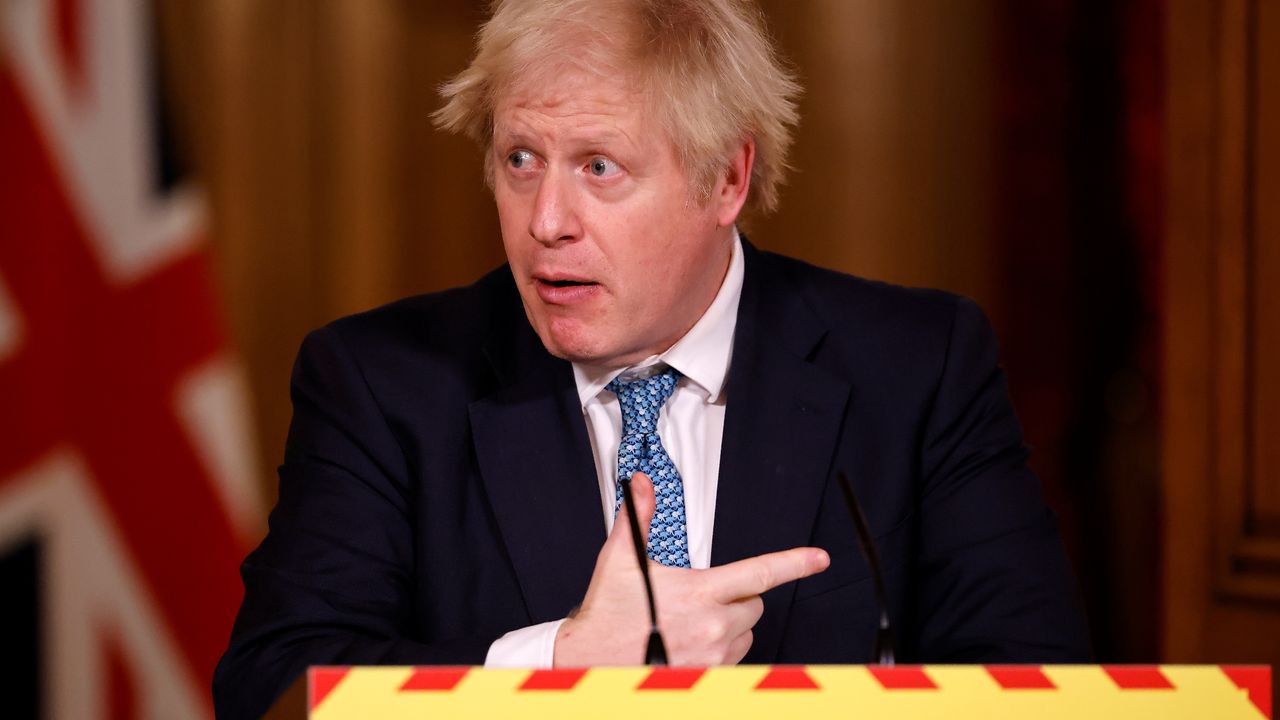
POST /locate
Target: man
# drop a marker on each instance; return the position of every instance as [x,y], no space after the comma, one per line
[451,482]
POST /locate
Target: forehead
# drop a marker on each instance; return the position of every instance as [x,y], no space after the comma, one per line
[571,95]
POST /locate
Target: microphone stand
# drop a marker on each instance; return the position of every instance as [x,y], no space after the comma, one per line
[883,650]
[656,652]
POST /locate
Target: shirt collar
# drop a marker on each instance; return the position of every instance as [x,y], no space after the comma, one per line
[702,355]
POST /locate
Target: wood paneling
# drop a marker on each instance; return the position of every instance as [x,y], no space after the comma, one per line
[1249,536]
[893,156]
[1222,479]
[1265,261]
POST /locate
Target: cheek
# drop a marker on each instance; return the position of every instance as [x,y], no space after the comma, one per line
[513,222]
[674,247]
[645,235]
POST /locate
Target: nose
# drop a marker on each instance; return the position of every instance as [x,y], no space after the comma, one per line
[555,213]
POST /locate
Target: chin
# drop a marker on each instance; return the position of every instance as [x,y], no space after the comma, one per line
[570,341]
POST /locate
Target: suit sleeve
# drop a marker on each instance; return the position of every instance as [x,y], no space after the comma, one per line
[995,583]
[332,582]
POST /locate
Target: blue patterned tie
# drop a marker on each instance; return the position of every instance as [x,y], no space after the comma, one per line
[641,451]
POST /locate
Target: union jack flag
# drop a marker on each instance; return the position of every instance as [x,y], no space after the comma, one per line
[127,490]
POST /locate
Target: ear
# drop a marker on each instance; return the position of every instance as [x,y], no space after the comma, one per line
[730,193]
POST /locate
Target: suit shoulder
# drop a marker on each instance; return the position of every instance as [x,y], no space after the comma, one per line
[896,343]
[454,321]
[873,308]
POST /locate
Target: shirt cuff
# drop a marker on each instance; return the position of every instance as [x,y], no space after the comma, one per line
[527,647]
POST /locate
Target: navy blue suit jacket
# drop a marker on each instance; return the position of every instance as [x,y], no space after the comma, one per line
[438,488]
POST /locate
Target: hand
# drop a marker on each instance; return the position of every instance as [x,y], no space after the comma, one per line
[705,616]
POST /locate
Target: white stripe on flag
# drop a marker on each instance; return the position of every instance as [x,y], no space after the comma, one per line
[100,139]
[212,403]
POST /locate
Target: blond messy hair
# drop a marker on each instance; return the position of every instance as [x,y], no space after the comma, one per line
[709,66]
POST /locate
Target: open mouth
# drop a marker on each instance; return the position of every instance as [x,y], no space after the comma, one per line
[565,283]
[565,291]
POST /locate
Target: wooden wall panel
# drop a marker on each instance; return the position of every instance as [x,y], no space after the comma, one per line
[1265,263]
[1222,560]
[893,157]
[1247,542]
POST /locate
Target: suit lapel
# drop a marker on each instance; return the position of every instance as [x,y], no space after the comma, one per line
[535,457]
[782,424]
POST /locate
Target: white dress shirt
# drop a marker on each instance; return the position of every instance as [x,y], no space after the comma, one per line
[691,426]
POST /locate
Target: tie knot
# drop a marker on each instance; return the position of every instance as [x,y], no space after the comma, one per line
[643,399]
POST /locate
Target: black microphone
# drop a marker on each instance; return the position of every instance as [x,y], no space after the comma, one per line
[883,650]
[656,653]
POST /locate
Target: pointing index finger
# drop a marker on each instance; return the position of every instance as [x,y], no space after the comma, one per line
[755,575]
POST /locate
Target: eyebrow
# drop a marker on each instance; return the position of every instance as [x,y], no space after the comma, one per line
[594,139]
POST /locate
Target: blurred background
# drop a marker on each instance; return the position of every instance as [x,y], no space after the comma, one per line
[187,188]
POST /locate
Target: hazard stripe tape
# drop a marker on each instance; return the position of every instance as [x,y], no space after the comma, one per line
[669,678]
[1254,680]
[552,679]
[902,677]
[442,679]
[1240,691]
[320,682]
[1137,677]
[787,678]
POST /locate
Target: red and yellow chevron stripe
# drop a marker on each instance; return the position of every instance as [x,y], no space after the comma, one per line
[921,691]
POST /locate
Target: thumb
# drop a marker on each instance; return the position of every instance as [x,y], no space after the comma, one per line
[642,494]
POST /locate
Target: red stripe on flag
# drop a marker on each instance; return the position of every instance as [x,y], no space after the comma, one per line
[1138,677]
[787,678]
[121,689]
[902,677]
[1021,677]
[669,678]
[320,682]
[1256,679]
[552,679]
[439,679]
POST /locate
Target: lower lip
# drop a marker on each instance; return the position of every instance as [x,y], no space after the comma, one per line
[566,295]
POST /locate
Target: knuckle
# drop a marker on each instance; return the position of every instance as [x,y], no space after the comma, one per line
[714,630]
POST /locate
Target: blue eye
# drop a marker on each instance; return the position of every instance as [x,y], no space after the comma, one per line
[602,167]
[520,158]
